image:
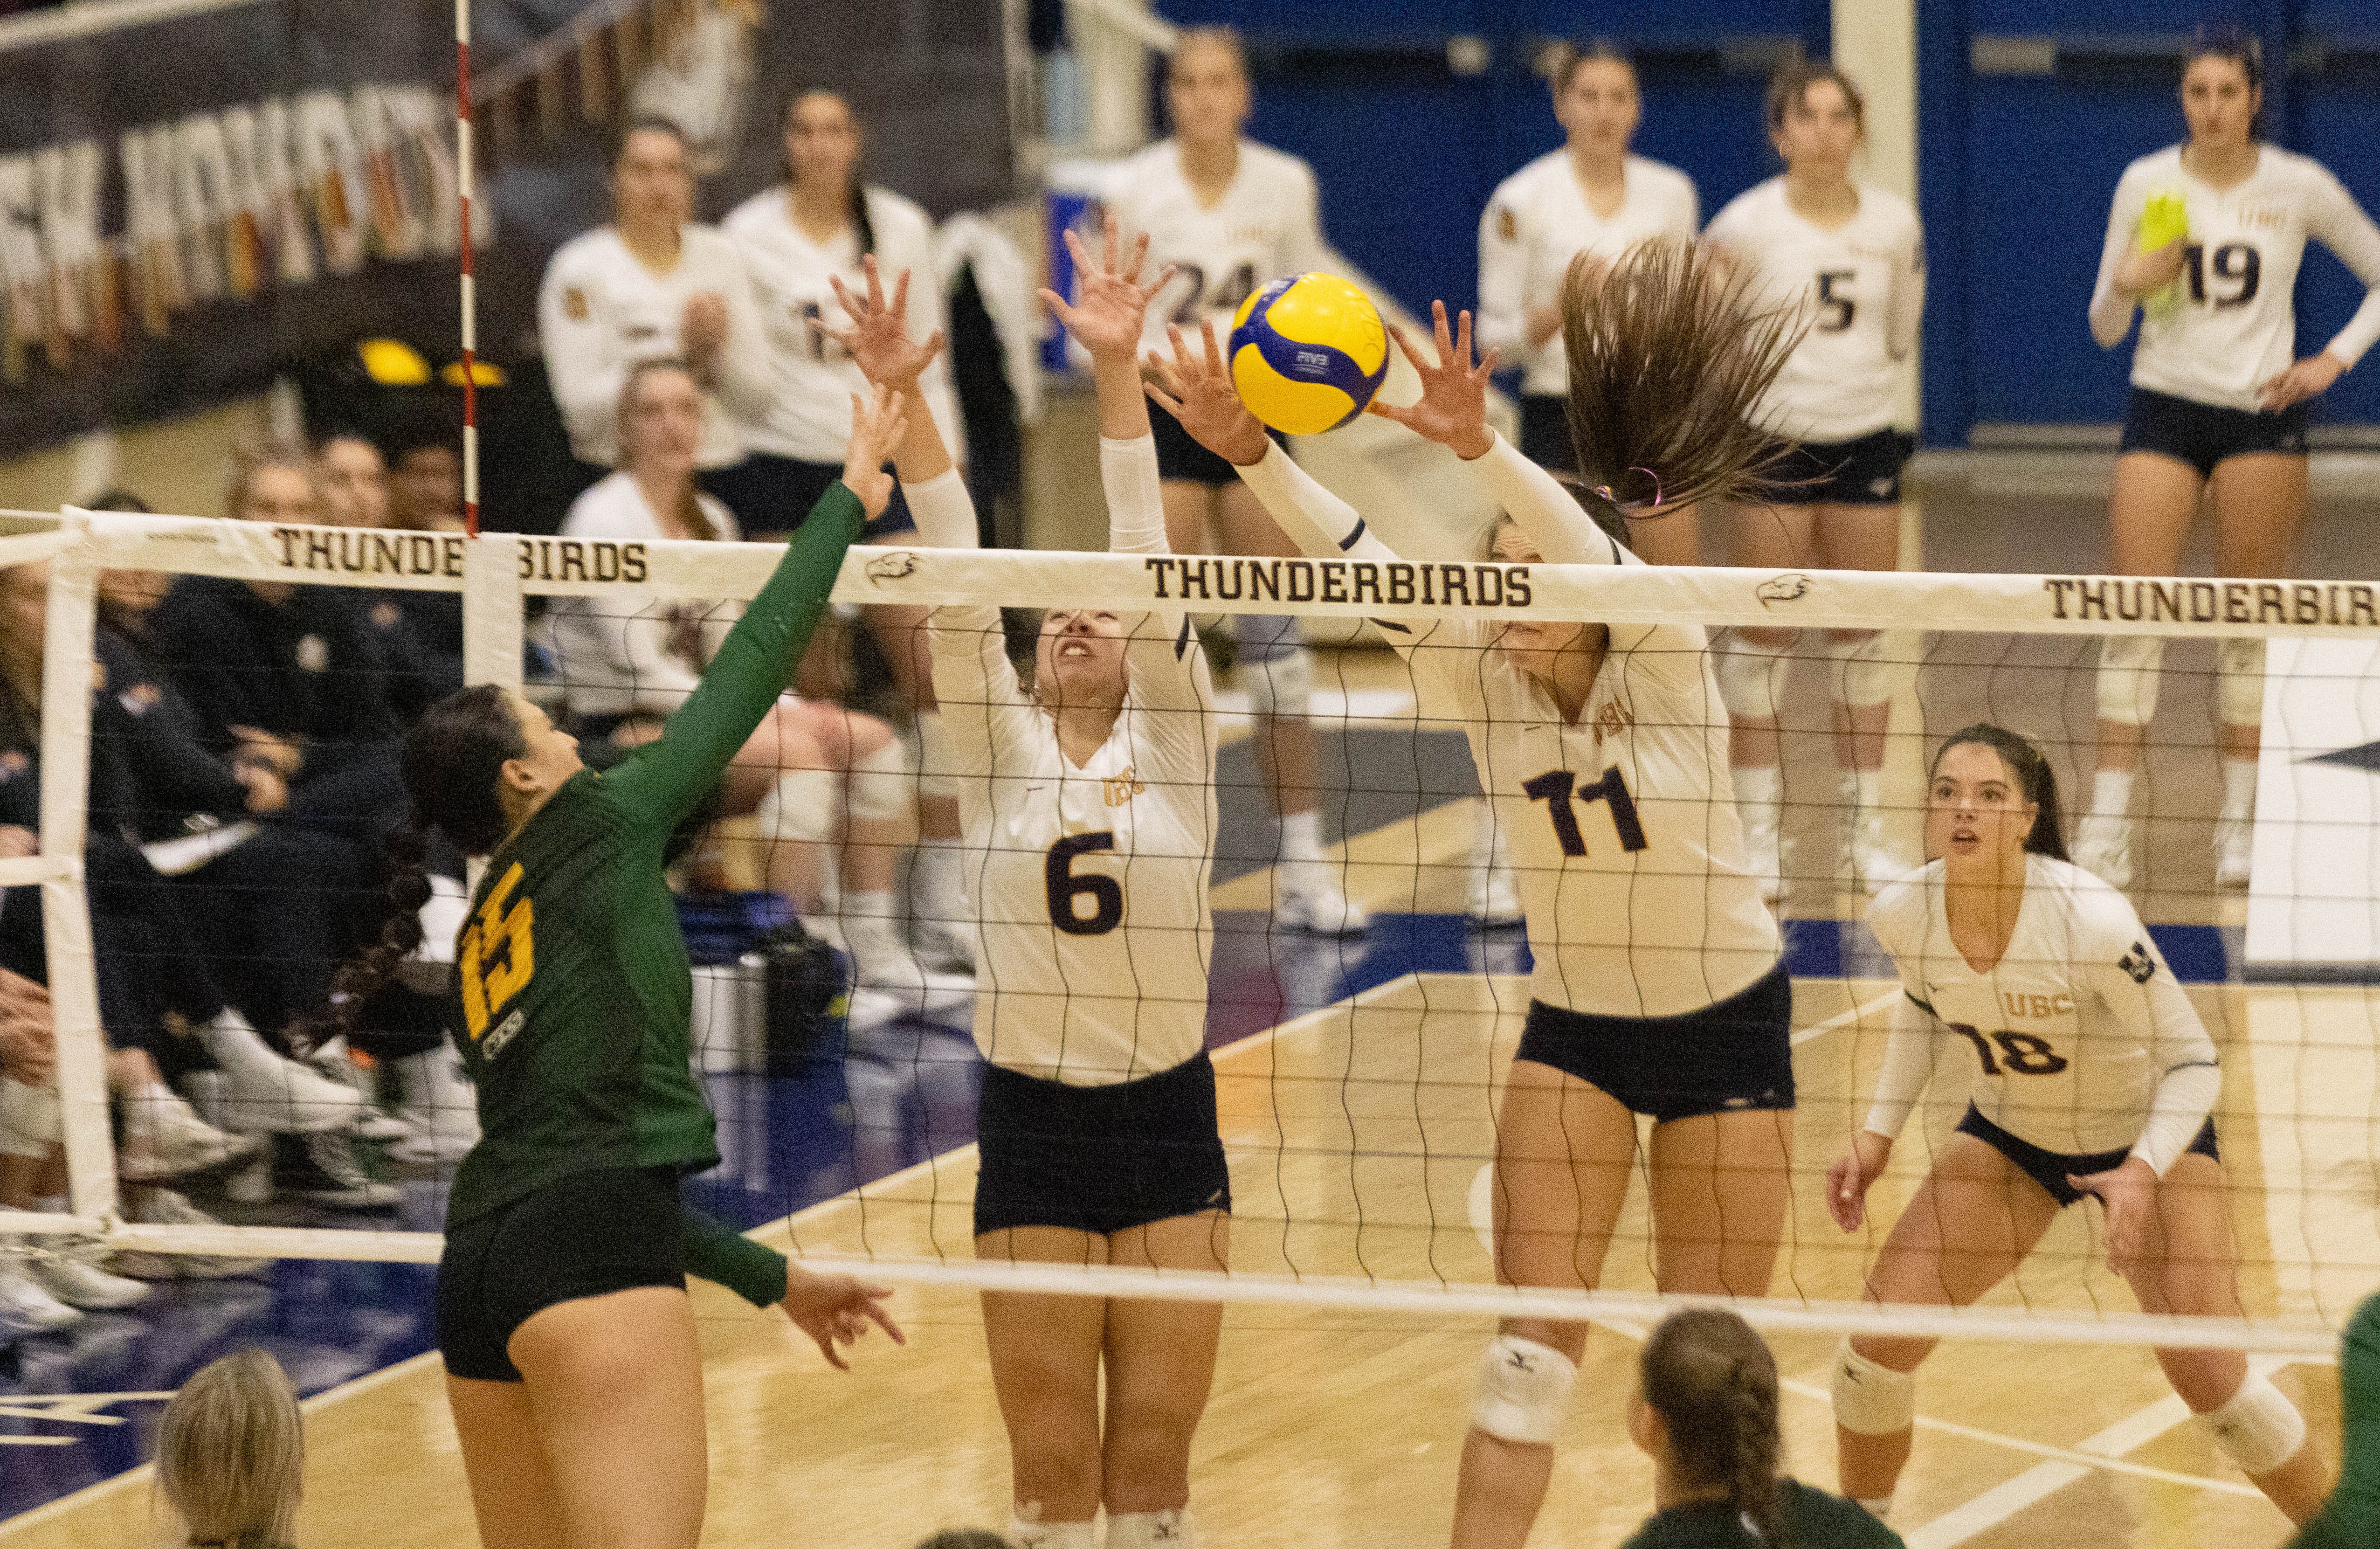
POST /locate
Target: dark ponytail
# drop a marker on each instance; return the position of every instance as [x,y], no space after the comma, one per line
[1713,1381]
[454,757]
[2034,779]
[1669,355]
[2229,39]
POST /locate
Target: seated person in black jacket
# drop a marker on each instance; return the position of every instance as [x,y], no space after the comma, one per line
[419,634]
[286,675]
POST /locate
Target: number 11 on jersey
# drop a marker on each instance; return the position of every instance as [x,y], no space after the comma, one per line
[1558,787]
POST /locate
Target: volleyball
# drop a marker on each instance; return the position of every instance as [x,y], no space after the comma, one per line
[1307,353]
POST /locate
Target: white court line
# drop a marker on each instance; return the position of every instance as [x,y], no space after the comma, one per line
[1846,1018]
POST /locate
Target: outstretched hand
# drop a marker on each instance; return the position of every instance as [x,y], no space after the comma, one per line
[835,1309]
[1105,316]
[1452,408]
[876,426]
[878,340]
[1198,392]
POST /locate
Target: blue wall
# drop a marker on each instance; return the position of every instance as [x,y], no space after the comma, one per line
[2015,172]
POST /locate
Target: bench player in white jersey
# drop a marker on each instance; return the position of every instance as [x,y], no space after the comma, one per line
[1592,195]
[2094,1074]
[1232,216]
[1853,256]
[1658,988]
[1090,821]
[799,239]
[652,286]
[2218,403]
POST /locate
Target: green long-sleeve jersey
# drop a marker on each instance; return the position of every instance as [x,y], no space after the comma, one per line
[573,989]
[2350,1519]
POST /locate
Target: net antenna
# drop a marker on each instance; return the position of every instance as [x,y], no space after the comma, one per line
[464,164]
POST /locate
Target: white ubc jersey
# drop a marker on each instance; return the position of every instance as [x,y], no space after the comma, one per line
[1090,882]
[601,311]
[1621,825]
[1862,286]
[807,414]
[1538,220]
[1267,226]
[2081,1040]
[2233,324]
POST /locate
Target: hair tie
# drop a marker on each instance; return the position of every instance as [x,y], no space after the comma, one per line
[1605,491]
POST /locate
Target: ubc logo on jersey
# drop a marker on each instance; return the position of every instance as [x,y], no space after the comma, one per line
[574,304]
[2138,963]
[1117,790]
[1788,587]
[1508,225]
[2035,1007]
[1611,720]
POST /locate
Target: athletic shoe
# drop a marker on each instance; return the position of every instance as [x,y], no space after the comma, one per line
[440,1108]
[78,1283]
[1495,898]
[372,1122]
[883,960]
[162,1207]
[2103,845]
[322,1168]
[25,1308]
[164,1136]
[2235,853]
[947,945]
[1326,912]
[264,1094]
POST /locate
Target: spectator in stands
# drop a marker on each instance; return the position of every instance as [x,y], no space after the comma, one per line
[418,634]
[231,1454]
[812,769]
[652,286]
[353,478]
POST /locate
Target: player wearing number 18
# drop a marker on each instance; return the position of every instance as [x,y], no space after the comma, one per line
[1089,809]
[2094,1077]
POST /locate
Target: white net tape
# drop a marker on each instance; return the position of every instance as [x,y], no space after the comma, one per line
[1327,1140]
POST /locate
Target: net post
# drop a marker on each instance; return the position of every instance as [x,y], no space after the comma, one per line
[492,610]
[69,639]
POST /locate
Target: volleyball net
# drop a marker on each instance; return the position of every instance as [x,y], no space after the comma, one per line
[1359,1079]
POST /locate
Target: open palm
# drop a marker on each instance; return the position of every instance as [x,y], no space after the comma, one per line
[1198,391]
[1110,300]
[1452,408]
[877,339]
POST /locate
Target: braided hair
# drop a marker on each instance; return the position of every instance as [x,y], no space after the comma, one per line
[2034,780]
[1713,1381]
[454,757]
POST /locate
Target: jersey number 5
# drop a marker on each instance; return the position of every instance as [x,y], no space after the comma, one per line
[2024,1053]
[1554,788]
[1105,893]
[498,954]
[1835,313]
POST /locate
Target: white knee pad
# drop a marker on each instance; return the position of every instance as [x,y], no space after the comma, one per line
[935,765]
[2128,678]
[799,807]
[1279,672]
[2259,1429]
[2239,682]
[1750,676]
[1152,1530]
[882,787]
[1523,1390]
[31,1123]
[1860,674]
[1872,1399]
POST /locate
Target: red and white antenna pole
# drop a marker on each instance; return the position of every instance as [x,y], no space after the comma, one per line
[463,163]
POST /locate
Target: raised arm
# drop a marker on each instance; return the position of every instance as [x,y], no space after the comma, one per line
[662,781]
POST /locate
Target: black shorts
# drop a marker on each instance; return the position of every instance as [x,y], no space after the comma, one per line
[1181,458]
[1734,1056]
[1099,1159]
[1862,473]
[1545,432]
[2203,435]
[769,495]
[586,1235]
[2050,1168]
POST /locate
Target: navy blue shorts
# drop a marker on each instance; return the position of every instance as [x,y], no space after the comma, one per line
[585,1235]
[1545,432]
[1179,458]
[2203,435]
[1734,1056]
[1099,1159]
[1862,473]
[2050,1168]
[771,496]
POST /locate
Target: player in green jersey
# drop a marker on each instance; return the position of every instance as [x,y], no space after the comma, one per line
[572,1366]
[2350,1519]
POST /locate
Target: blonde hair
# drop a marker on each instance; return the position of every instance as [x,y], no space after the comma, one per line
[252,457]
[691,513]
[231,1453]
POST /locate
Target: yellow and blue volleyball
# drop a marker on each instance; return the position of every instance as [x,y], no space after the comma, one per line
[1307,353]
